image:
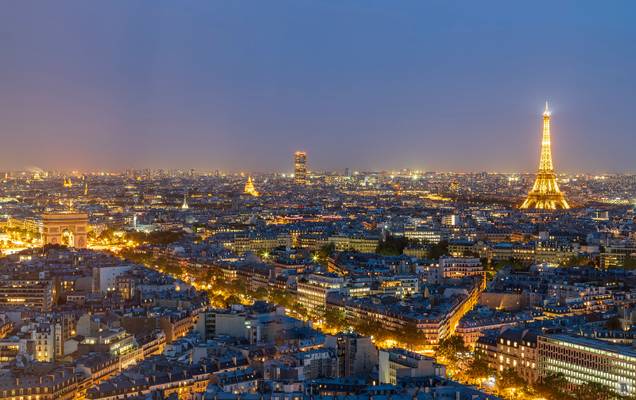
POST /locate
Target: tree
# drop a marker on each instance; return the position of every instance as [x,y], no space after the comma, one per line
[335,318]
[237,286]
[218,300]
[478,369]
[107,234]
[298,309]
[451,348]
[261,294]
[209,275]
[577,261]
[411,336]
[499,265]
[47,247]
[326,250]
[281,298]
[512,263]
[510,379]
[233,299]
[553,386]
[438,249]
[371,328]
[593,391]
[167,237]
[392,246]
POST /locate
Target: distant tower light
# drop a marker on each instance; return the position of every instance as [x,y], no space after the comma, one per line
[184,205]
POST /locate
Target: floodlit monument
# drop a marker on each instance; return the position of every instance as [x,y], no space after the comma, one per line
[65,228]
[545,193]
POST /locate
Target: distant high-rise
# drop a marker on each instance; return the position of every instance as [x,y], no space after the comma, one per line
[545,193]
[300,168]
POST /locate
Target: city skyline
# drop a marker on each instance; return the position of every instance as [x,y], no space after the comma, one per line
[300,170]
[231,87]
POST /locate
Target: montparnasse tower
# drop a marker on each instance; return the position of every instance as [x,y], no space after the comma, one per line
[545,193]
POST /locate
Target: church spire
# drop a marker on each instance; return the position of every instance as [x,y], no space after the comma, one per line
[185,205]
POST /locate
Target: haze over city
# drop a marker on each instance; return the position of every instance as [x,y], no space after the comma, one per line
[235,85]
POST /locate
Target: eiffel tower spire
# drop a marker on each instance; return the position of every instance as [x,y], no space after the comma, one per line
[545,164]
[545,193]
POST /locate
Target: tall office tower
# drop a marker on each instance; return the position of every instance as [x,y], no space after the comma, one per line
[300,168]
[545,193]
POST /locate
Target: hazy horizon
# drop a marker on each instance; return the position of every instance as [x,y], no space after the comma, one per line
[289,171]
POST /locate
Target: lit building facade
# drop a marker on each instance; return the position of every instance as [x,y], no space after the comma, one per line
[36,294]
[48,382]
[361,244]
[401,363]
[582,360]
[456,267]
[615,256]
[514,349]
[356,355]
[312,292]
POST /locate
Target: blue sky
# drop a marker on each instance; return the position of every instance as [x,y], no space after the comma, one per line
[240,85]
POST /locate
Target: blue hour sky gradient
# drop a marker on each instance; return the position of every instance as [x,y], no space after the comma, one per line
[239,85]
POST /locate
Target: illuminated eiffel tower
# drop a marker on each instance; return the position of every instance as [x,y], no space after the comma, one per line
[249,188]
[545,193]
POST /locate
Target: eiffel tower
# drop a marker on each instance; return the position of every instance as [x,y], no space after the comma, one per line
[545,193]
[250,188]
